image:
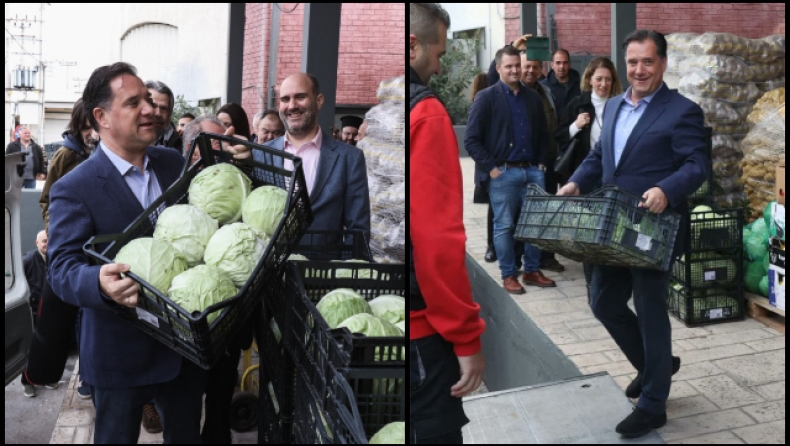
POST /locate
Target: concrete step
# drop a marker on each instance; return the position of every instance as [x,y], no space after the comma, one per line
[583,410]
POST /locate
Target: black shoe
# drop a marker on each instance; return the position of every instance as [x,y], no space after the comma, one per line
[635,388]
[490,254]
[551,264]
[640,423]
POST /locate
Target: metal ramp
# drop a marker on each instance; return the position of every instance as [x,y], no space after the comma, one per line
[583,410]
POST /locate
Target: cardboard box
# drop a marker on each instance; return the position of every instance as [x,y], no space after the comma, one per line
[780,183]
[777,223]
[776,273]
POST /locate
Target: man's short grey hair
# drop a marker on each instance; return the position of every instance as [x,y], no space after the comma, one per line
[161,87]
[422,21]
[193,128]
[257,116]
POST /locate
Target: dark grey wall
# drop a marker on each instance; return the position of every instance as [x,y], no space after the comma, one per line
[516,351]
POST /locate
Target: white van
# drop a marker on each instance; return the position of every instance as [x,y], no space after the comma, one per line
[18,318]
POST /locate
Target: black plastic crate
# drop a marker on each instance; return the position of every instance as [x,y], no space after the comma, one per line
[188,334]
[718,230]
[334,245]
[709,268]
[313,280]
[310,402]
[706,305]
[605,227]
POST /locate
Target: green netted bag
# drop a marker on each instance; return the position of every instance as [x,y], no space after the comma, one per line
[754,274]
[764,286]
[767,213]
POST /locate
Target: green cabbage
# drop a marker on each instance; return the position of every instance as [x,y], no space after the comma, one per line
[188,229]
[340,304]
[263,209]
[370,325]
[197,288]
[220,191]
[767,213]
[235,249]
[361,273]
[297,257]
[154,261]
[393,433]
[402,326]
[756,246]
[389,307]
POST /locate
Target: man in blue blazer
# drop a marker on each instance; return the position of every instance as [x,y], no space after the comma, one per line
[335,172]
[508,138]
[125,367]
[652,144]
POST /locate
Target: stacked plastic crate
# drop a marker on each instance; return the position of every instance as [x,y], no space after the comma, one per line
[707,280]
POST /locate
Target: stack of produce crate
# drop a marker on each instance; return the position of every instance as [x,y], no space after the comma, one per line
[707,280]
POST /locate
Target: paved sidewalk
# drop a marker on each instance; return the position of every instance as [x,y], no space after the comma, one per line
[730,387]
[75,422]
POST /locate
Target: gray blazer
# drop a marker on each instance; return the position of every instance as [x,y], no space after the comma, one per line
[340,198]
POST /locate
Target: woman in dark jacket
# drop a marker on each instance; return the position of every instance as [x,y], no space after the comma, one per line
[231,114]
[583,119]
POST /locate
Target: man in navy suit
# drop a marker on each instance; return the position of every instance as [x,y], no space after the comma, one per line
[335,172]
[652,144]
[125,367]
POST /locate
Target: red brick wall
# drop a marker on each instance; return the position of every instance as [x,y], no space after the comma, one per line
[586,26]
[371,50]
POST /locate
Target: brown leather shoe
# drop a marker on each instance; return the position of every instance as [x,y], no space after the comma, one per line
[512,286]
[151,422]
[537,279]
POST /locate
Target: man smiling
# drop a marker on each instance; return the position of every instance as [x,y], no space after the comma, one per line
[334,171]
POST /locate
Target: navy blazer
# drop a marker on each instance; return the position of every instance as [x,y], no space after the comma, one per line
[666,149]
[489,133]
[340,197]
[94,199]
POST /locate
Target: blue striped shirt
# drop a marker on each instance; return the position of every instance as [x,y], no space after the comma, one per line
[627,117]
[144,185]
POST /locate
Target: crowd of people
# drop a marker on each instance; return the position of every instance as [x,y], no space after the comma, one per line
[569,134]
[121,151]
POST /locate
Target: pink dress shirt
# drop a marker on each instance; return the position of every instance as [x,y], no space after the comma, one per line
[309,153]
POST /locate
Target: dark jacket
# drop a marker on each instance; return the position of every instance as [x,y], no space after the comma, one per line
[489,136]
[95,200]
[666,149]
[68,156]
[39,166]
[577,105]
[36,274]
[562,96]
[174,141]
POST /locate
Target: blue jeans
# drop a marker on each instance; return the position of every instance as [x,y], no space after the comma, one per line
[179,401]
[645,338]
[507,193]
[29,184]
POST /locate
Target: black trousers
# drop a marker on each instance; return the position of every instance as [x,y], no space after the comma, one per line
[49,349]
[435,416]
[490,225]
[222,380]
[645,337]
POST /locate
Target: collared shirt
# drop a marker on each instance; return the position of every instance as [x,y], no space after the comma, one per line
[627,117]
[522,128]
[309,153]
[144,185]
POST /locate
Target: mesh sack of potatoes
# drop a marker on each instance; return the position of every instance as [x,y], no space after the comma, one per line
[384,147]
[763,148]
[724,146]
[680,42]
[755,50]
[766,71]
[776,45]
[773,84]
[700,85]
[767,103]
[715,110]
[719,67]
[730,200]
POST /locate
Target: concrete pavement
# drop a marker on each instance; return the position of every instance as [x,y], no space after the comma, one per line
[730,387]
